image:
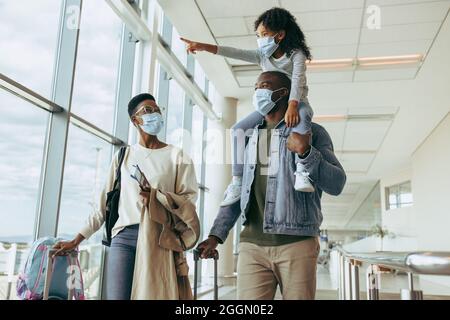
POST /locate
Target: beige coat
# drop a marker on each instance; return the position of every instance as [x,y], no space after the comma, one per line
[169,226]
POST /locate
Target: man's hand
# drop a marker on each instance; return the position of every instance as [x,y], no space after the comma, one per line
[207,247]
[298,143]
[193,47]
[292,117]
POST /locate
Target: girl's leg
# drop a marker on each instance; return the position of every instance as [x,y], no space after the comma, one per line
[302,181]
[120,265]
[238,135]
[306,115]
[238,141]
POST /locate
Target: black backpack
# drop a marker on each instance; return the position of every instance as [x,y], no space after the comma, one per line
[112,202]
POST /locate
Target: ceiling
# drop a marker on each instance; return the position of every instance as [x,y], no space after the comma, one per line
[335,30]
[379,105]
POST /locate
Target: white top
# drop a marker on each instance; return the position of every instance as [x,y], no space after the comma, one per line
[293,66]
[167,169]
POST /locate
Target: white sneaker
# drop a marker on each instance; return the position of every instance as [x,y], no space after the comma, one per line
[233,192]
[302,180]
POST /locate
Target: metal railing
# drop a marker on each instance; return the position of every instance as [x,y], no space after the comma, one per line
[423,263]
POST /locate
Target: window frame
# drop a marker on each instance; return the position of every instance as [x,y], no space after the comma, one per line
[398,204]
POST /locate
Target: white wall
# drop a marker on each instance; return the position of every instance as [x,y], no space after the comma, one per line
[431,189]
[431,192]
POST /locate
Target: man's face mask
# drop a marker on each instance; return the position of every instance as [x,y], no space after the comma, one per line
[262,100]
[267,45]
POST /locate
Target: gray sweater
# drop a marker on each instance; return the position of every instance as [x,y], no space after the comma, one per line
[293,66]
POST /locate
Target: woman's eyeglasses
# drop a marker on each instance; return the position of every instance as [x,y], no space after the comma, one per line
[148,109]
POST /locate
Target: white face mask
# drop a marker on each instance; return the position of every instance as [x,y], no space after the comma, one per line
[152,123]
[267,45]
[262,100]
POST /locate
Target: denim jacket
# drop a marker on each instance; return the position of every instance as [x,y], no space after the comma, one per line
[286,211]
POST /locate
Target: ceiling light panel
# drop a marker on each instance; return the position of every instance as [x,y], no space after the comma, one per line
[320,5]
[385,74]
[329,20]
[233,8]
[420,31]
[227,27]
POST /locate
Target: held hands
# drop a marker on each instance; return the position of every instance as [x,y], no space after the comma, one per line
[145,194]
[292,117]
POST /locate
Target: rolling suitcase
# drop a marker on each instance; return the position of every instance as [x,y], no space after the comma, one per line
[67,279]
[216,287]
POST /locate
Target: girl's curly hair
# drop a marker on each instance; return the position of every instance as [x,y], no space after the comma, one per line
[277,19]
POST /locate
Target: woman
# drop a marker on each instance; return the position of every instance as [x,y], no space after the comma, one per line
[172,174]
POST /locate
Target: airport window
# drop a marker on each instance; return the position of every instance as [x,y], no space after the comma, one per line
[178,47]
[399,196]
[197,140]
[28,34]
[174,129]
[86,168]
[25,127]
[199,76]
[97,66]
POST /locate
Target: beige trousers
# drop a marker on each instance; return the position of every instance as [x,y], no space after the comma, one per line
[293,267]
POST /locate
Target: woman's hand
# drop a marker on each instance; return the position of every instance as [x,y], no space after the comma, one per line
[145,194]
[193,47]
[292,117]
[207,247]
[63,247]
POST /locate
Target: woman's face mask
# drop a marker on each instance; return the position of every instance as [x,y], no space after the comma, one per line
[267,45]
[262,100]
[152,123]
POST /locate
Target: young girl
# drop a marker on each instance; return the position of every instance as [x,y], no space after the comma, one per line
[281,47]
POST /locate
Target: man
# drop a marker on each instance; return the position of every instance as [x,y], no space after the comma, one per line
[279,244]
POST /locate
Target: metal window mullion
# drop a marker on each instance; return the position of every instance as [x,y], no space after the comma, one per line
[121,117]
[164,82]
[201,208]
[187,111]
[27,94]
[124,85]
[57,134]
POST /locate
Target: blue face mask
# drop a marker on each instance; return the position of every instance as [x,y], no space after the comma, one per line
[267,46]
[152,123]
[262,100]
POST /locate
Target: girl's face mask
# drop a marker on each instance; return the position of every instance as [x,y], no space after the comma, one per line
[267,45]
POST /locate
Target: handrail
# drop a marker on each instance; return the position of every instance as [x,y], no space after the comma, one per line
[424,262]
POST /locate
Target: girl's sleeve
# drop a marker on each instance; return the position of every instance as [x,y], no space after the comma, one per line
[252,56]
[298,72]
[97,217]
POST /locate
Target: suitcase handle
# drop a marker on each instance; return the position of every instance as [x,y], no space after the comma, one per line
[197,253]
[48,275]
